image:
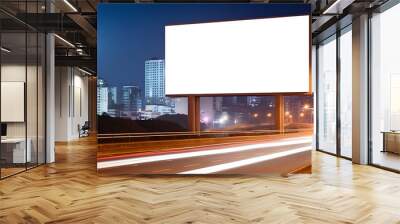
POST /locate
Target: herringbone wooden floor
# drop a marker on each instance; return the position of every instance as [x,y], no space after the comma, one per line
[70,191]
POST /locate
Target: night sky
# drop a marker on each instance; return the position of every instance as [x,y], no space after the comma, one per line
[129,34]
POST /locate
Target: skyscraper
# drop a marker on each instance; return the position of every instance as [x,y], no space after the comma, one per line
[155,82]
[102,97]
[112,96]
[131,101]
[254,101]
[114,107]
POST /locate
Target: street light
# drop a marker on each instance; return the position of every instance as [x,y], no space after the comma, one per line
[223,119]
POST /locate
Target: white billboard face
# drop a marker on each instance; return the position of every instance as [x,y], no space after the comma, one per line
[238,57]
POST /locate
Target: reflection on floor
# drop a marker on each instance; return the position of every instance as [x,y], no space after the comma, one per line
[10,171]
[71,191]
[387,159]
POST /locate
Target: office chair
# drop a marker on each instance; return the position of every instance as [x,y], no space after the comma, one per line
[84,130]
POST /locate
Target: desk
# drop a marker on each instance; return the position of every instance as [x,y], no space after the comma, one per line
[391,141]
[13,150]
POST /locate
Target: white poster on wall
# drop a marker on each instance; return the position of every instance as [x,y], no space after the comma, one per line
[269,55]
[12,101]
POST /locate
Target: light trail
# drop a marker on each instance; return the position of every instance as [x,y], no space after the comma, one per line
[245,162]
[148,159]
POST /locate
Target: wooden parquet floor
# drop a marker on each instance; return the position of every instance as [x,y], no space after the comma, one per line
[70,191]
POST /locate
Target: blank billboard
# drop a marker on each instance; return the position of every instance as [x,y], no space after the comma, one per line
[258,56]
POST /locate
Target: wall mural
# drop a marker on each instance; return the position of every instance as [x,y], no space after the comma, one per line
[141,130]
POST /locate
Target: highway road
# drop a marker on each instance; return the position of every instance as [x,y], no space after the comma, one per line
[280,155]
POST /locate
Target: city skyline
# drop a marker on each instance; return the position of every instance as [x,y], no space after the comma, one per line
[216,112]
[143,28]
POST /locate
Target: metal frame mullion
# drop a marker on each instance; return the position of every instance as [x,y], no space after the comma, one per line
[316,106]
[338,92]
[26,86]
[0,98]
[369,100]
[37,91]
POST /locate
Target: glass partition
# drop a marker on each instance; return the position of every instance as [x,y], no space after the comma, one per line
[385,89]
[299,114]
[14,153]
[22,88]
[237,113]
[346,92]
[327,95]
[123,109]
[32,98]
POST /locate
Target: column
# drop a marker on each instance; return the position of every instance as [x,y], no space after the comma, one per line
[360,90]
[194,113]
[50,98]
[92,98]
[280,113]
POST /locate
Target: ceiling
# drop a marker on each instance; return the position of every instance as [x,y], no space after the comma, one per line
[75,21]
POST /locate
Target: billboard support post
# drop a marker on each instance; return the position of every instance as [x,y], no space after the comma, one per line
[280,113]
[194,113]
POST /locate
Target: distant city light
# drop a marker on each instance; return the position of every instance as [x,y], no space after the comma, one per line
[306,106]
[236,121]
[301,114]
[269,115]
[223,119]
[291,116]
[255,115]
[206,119]
[287,113]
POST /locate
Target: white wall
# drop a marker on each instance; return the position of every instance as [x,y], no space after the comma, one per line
[71,103]
[16,73]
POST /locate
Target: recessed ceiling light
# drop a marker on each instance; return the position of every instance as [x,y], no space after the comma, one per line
[64,40]
[84,71]
[5,50]
[70,5]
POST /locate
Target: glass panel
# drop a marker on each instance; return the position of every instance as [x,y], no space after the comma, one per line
[346,94]
[140,107]
[299,114]
[13,86]
[237,113]
[385,85]
[32,87]
[31,98]
[327,96]
[124,109]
